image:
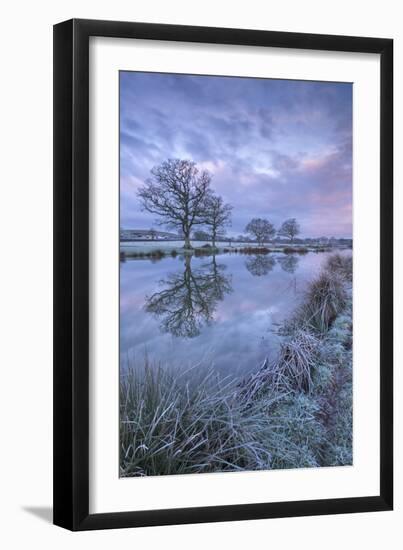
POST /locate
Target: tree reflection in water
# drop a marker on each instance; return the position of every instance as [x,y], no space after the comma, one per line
[189,299]
[289,263]
[259,265]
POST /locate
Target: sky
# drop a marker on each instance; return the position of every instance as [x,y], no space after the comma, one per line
[275,149]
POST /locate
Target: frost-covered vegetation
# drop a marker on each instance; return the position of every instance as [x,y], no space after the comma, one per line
[295,411]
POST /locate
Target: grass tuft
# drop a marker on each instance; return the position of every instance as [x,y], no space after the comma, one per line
[173,426]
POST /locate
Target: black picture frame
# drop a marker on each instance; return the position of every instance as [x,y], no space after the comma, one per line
[72,285]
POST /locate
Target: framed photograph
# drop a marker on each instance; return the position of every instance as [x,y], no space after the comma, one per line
[223,321]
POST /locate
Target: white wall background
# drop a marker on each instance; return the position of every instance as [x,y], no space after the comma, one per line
[26,274]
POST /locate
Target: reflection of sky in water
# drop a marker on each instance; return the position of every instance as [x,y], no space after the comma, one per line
[241,333]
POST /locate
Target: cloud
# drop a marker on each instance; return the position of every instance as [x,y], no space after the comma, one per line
[275,148]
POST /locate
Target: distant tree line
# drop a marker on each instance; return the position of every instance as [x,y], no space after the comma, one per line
[264,231]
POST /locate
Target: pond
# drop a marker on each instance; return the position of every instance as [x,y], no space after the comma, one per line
[218,311]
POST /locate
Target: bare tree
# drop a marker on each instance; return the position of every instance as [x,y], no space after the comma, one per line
[260,264]
[288,263]
[261,229]
[217,215]
[188,300]
[153,234]
[176,193]
[289,229]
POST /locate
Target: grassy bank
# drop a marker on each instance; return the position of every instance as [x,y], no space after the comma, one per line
[293,412]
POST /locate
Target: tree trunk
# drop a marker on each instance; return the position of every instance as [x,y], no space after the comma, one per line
[187,275]
[213,238]
[187,242]
[214,262]
[188,259]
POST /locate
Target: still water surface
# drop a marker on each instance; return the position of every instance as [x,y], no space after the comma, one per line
[220,311]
